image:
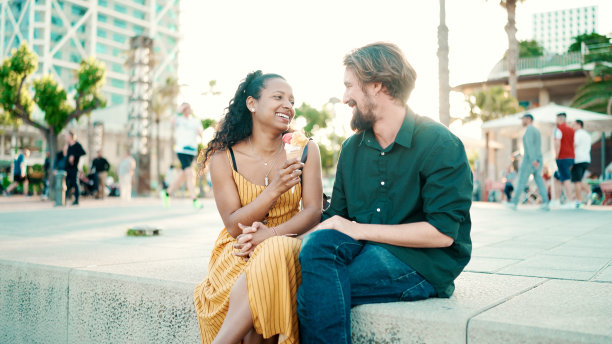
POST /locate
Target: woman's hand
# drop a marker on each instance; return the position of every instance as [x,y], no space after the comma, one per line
[287,176]
[250,238]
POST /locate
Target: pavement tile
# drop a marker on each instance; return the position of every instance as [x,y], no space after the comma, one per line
[545,261]
[481,264]
[554,312]
[517,270]
[604,276]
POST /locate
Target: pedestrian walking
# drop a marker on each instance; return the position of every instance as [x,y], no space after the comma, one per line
[73,155]
[531,164]
[188,132]
[582,160]
[20,173]
[564,152]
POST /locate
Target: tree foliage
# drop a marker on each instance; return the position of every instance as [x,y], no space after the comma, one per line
[315,119]
[530,48]
[51,98]
[589,39]
[491,103]
[596,94]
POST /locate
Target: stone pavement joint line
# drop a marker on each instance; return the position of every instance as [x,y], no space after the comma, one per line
[493,305]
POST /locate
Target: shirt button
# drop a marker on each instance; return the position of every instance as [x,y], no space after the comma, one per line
[382,183]
[383,153]
[378,210]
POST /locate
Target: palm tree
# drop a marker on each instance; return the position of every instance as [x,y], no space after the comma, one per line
[512,55]
[443,73]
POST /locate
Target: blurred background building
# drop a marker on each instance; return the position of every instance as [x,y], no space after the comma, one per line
[64,32]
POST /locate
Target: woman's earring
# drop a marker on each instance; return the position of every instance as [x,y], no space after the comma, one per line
[252,110]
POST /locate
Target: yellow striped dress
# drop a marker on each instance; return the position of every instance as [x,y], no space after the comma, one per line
[272,274]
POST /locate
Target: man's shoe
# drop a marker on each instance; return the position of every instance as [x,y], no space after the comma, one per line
[75,203]
[568,205]
[510,206]
[165,198]
[544,207]
[555,204]
[197,204]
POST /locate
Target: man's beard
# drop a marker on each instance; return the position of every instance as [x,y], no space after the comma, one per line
[362,121]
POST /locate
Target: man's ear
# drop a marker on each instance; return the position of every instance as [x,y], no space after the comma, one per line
[376,88]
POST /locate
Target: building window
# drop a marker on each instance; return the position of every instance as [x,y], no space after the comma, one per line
[100,48]
[139,14]
[140,2]
[120,9]
[101,33]
[117,99]
[117,68]
[119,38]
[75,58]
[102,18]
[78,10]
[103,3]
[56,21]
[138,30]
[117,83]
[120,23]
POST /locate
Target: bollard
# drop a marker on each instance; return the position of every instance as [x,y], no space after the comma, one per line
[60,188]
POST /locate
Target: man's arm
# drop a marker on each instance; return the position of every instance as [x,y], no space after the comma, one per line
[446,194]
[558,135]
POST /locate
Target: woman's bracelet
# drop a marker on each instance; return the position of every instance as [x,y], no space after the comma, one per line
[274,230]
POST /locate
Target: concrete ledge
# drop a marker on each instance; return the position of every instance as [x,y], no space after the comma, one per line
[33,303]
[436,320]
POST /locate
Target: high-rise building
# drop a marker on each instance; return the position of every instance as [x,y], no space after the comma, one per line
[64,32]
[554,30]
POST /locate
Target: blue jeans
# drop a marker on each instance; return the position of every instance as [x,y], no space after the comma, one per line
[338,273]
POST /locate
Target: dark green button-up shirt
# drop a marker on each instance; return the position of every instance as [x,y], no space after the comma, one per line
[423,175]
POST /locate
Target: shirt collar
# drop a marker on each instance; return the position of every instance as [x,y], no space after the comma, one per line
[403,137]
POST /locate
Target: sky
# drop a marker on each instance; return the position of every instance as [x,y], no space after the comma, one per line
[305,41]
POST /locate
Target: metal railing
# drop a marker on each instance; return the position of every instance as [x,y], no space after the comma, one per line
[540,65]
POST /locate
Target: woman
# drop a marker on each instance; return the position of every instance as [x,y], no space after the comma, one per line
[250,291]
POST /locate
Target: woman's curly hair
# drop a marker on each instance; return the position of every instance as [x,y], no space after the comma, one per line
[237,123]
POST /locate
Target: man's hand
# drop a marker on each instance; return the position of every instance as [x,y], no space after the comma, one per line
[71,159]
[350,228]
[536,164]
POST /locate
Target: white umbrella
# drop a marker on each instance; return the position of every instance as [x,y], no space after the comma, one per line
[544,119]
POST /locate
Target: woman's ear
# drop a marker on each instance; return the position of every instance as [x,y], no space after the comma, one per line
[251,103]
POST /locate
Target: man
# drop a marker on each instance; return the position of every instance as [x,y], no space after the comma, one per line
[582,150]
[398,228]
[20,173]
[73,155]
[188,133]
[100,167]
[564,151]
[532,163]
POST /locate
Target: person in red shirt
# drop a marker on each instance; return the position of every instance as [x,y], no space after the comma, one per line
[564,149]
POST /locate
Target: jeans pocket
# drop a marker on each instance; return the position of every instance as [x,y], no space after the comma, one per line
[421,291]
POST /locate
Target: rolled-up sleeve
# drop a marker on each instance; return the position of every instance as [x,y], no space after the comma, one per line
[447,187]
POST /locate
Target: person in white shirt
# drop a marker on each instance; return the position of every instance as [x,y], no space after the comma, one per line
[125,171]
[188,133]
[582,150]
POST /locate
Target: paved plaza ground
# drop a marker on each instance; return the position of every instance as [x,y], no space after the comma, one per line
[534,274]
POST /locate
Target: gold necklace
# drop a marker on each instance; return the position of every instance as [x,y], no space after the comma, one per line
[274,158]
